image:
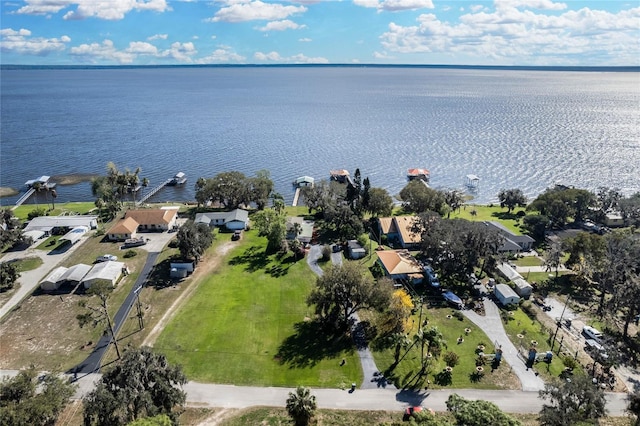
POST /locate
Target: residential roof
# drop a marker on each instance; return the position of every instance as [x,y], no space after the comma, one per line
[387,225]
[237,214]
[341,172]
[105,271]
[302,179]
[75,273]
[124,226]
[55,275]
[75,234]
[417,172]
[509,272]
[506,291]
[405,225]
[49,222]
[152,216]
[399,262]
[354,245]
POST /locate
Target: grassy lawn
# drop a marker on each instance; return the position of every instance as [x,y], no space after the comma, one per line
[27,264]
[488,213]
[248,323]
[404,374]
[23,211]
[528,261]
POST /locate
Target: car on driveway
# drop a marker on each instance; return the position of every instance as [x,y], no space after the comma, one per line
[106,258]
[236,235]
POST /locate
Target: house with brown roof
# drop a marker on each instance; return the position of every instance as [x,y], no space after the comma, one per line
[153,219]
[400,265]
[123,230]
[399,229]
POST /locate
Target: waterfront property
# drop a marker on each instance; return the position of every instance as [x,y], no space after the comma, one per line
[399,229]
[422,174]
[400,265]
[511,243]
[304,181]
[305,228]
[154,220]
[123,230]
[57,225]
[179,179]
[237,219]
[340,175]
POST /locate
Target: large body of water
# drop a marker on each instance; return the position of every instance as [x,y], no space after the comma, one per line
[525,129]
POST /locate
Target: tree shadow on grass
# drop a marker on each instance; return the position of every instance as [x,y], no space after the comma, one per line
[311,343]
[506,215]
[255,258]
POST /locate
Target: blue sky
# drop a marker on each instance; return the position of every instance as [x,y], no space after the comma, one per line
[169,32]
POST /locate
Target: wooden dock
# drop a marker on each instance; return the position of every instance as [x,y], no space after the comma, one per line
[25,197]
[296,196]
[153,192]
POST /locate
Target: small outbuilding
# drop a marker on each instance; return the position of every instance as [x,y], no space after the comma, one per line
[506,295]
[355,250]
[75,234]
[523,288]
[52,281]
[75,274]
[180,269]
[105,271]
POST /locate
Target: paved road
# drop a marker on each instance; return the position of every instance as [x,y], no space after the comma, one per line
[491,324]
[30,280]
[370,371]
[230,396]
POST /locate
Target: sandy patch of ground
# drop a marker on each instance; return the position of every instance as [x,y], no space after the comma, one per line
[205,267]
[5,191]
[218,417]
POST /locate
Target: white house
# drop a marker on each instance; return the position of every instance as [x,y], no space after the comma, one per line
[523,288]
[75,274]
[105,271]
[506,295]
[53,224]
[234,220]
[75,234]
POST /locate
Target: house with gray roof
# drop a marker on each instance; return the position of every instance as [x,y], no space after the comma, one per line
[511,242]
[237,219]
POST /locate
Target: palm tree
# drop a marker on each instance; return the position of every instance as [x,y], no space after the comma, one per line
[37,187]
[399,341]
[433,340]
[301,406]
[54,195]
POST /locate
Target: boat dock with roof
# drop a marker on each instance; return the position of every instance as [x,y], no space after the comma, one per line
[36,185]
[422,174]
[341,175]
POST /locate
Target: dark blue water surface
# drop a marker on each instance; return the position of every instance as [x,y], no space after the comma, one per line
[525,129]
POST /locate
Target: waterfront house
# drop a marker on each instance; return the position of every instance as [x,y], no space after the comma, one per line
[59,225]
[157,220]
[399,230]
[400,265]
[511,242]
[234,220]
[123,230]
[305,227]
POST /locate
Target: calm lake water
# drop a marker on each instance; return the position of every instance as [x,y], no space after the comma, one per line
[513,128]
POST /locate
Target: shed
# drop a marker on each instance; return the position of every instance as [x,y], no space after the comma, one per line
[523,288]
[75,234]
[76,273]
[355,250]
[180,269]
[106,271]
[52,281]
[506,295]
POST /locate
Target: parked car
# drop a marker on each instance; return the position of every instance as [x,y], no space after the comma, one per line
[592,333]
[236,235]
[106,258]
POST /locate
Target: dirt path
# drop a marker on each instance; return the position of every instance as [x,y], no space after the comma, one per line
[206,266]
[218,417]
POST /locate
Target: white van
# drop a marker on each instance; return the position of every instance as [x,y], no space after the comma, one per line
[592,333]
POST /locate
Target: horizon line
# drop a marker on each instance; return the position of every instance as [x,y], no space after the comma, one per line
[620,68]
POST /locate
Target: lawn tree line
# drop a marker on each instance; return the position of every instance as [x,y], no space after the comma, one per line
[8,276]
[111,190]
[233,189]
[193,240]
[11,231]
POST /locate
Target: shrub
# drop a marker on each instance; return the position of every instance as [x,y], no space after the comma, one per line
[458,315]
[451,358]
[36,213]
[326,253]
[130,253]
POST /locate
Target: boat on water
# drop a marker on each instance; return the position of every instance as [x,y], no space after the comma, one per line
[179,179]
[422,174]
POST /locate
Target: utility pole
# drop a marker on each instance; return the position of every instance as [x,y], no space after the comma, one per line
[559,322]
[139,308]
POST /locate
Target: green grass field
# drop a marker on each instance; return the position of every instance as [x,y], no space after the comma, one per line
[248,324]
[488,213]
[462,377]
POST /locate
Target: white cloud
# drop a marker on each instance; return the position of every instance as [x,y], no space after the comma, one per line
[104,9]
[223,54]
[142,48]
[241,11]
[382,55]
[20,41]
[395,5]
[305,40]
[529,4]
[281,26]
[476,7]
[511,35]
[158,37]
[295,59]
[102,51]
[181,52]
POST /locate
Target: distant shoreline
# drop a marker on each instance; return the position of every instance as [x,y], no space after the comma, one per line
[627,68]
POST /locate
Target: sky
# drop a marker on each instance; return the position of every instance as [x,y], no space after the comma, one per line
[429,32]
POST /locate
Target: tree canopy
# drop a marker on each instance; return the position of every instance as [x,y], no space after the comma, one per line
[11,230]
[142,384]
[194,240]
[8,276]
[344,290]
[418,198]
[380,203]
[301,406]
[511,198]
[27,399]
[271,224]
[478,412]
[571,402]
[233,189]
